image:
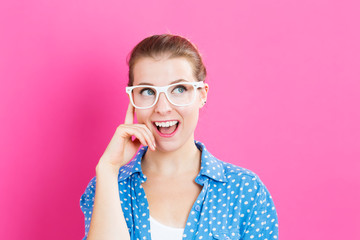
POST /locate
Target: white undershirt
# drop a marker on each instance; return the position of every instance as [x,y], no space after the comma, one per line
[160,231]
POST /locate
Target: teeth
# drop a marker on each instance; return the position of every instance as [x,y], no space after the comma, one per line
[166,124]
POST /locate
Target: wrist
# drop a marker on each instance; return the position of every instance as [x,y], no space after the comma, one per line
[108,169]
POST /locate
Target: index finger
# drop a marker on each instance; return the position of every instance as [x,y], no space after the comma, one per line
[129,117]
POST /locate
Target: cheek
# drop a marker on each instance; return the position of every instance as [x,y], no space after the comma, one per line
[190,114]
[142,115]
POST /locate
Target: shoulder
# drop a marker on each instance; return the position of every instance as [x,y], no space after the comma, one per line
[244,182]
[90,188]
[236,174]
[248,186]
[234,170]
[87,198]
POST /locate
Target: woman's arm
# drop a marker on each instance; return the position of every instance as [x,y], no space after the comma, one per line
[107,221]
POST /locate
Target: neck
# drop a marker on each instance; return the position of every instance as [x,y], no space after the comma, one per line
[186,159]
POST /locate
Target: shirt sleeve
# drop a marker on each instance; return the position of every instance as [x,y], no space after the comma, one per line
[263,223]
[87,204]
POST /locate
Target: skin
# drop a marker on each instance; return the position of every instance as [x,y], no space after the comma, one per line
[176,160]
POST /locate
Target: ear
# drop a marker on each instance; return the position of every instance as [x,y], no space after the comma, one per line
[203,94]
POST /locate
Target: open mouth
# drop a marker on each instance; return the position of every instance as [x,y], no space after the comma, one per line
[166,129]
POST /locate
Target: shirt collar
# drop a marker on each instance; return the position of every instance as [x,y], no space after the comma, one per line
[210,166]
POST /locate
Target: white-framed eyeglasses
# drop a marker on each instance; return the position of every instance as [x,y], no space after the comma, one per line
[179,94]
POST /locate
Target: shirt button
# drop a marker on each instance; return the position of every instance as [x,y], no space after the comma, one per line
[201,179]
[197,208]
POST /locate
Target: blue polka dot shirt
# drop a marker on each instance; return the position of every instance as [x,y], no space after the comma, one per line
[233,203]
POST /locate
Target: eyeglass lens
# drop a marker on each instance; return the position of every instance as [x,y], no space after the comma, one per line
[179,94]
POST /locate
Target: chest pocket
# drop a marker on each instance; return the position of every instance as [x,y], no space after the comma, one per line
[226,235]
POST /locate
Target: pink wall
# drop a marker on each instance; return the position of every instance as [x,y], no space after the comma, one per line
[284,102]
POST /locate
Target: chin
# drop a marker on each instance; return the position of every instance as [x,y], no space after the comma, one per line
[171,145]
[168,146]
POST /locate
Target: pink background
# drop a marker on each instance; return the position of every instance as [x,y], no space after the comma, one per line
[283,101]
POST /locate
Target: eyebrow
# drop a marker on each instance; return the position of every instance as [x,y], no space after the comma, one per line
[176,81]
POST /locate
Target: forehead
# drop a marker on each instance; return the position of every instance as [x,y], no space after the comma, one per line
[163,71]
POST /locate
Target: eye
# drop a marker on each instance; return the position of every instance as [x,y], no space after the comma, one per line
[147,92]
[179,89]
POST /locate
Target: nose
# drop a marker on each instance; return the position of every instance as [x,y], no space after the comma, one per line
[163,105]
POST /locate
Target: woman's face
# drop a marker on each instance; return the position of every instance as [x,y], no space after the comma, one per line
[163,72]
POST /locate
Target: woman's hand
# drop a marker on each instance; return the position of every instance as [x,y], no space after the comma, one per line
[121,148]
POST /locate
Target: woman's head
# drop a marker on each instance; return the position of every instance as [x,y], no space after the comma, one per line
[167,46]
[162,71]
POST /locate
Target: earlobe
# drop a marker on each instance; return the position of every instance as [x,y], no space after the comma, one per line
[203,103]
[204,92]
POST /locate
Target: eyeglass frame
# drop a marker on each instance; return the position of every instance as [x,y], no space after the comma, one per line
[164,89]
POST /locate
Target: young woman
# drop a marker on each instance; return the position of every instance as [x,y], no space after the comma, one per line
[173,188]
